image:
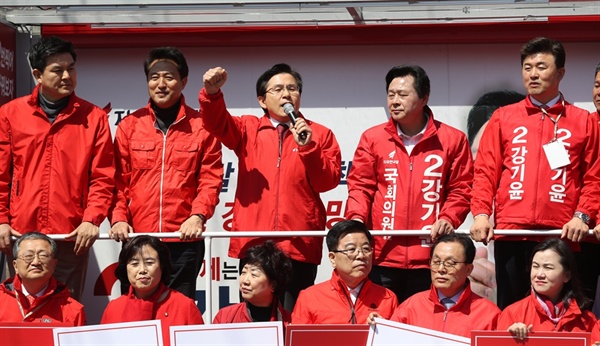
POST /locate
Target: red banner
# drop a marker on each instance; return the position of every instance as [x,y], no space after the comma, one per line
[487,338]
[7,63]
[326,334]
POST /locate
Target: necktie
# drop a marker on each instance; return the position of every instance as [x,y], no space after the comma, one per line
[448,303]
[31,299]
[281,128]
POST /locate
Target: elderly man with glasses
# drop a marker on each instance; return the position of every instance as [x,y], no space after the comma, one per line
[33,295]
[349,296]
[449,306]
[284,166]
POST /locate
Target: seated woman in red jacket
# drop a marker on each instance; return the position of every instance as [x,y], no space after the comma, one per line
[144,261]
[556,302]
[265,275]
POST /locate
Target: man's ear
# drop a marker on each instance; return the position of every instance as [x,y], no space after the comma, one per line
[332,259]
[37,74]
[184,83]
[561,73]
[261,102]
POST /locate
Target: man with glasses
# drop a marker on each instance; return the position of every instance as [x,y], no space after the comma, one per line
[449,306]
[33,295]
[349,296]
[282,169]
[410,173]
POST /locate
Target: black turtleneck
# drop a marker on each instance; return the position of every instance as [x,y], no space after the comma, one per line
[52,109]
[166,117]
[259,313]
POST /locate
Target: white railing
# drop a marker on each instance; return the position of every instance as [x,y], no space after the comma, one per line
[208,237]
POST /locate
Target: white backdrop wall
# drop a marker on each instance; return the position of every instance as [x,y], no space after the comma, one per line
[344,89]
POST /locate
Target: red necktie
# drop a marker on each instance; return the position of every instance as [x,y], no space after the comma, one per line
[281,128]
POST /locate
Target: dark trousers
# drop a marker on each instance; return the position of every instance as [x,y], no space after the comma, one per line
[513,262]
[403,282]
[186,259]
[303,276]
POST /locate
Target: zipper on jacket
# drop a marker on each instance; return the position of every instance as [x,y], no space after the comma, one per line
[445,315]
[162,177]
[278,178]
[17,188]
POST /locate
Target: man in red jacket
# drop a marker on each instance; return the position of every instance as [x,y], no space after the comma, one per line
[33,295]
[349,297]
[169,169]
[596,98]
[410,173]
[537,167]
[281,172]
[56,162]
[449,305]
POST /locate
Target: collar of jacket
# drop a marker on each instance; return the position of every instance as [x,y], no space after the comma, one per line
[180,115]
[340,286]
[460,304]
[430,128]
[69,110]
[555,110]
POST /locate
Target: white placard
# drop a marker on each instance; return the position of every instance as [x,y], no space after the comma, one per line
[394,333]
[231,334]
[146,333]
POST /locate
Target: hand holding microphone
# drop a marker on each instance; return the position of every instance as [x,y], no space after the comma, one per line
[289,110]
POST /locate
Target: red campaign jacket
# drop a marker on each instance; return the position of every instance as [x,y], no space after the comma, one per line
[596,332]
[471,312]
[53,177]
[158,188]
[529,311]
[175,310]
[275,193]
[391,190]
[329,303]
[55,305]
[511,167]
[238,313]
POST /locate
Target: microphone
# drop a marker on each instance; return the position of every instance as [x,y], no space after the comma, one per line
[289,110]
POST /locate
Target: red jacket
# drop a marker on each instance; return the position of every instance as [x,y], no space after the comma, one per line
[329,303]
[511,167]
[391,190]
[471,312]
[158,188]
[596,332]
[276,192]
[53,177]
[175,310]
[55,305]
[529,311]
[238,313]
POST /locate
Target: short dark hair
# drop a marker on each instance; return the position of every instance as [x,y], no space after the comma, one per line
[485,106]
[33,236]
[167,53]
[134,246]
[421,80]
[273,262]
[263,80]
[462,239]
[544,45]
[597,70]
[46,47]
[340,229]
[572,288]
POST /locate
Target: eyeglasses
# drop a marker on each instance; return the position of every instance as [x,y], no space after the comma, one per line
[44,257]
[353,252]
[278,89]
[447,264]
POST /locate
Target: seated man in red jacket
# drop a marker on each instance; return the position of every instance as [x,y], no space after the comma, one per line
[349,296]
[33,295]
[449,306]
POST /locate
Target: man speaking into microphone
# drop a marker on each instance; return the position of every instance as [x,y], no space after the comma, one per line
[284,165]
